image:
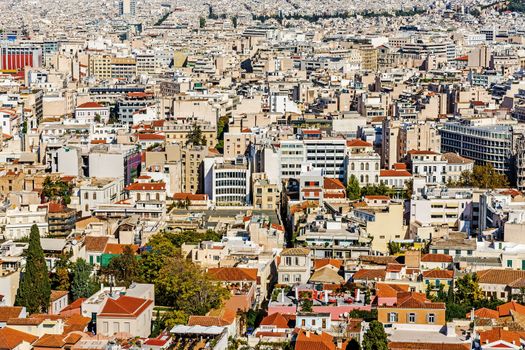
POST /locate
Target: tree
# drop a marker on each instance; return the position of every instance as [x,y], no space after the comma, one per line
[483,176]
[83,284]
[202,22]
[61,278]
[187,288]
[154,257]
[394,248]
[124,268]
[375,337]
[195,136]
[409,188]
[353,190]
[234,21]
[34,290]
[306,305]
[468,291]
[56,190]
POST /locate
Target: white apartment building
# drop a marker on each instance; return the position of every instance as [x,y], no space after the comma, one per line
[437,206]
[99,191]
[229,183]
[19,220]
[92,112]
[362,162]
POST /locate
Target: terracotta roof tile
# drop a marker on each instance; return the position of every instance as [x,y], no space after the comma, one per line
[11,338]
[7,312]
[95,243]
[233,274]
[436,258]
[125,307]
[442,274]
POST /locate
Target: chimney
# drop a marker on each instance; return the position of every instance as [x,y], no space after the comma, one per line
[307,333]
[339,343]
[282,295]
[326,297]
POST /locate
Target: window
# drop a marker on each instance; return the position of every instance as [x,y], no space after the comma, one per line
[392,317]
[303,323]
[324,323]
[509,263]
[297,278]
[288,260]
[411,318]
[313,322]
[286,278]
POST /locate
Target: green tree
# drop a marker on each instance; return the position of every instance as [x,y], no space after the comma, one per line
[409,188]
[186,287]
[375,337]
[56,190]
[159,249]
[202,22]
[483,176]
[83,284]
[467,290]
[234,21]
[60,279]
[34,290]
[125,268]
[195,136]
[353,190]
[394,248]
[306,305]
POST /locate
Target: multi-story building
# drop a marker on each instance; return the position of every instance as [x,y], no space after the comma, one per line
[99,191]
[485,142]
[295,266]
[229,181]
[363,162]
[265,194]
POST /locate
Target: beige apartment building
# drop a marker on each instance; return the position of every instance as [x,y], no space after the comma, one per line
[265,194]
[178,132]
[236,144]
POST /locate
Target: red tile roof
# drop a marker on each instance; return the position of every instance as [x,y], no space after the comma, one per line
[95,243]
[311,341]
[484,313]
[57,294]
[124,307]
[279,320]
[190,196]
[319,263]
[496,334]
[150,137]
[504,310]
[394,173]
[357,143]
[436,258]
[116,248]
[90,105]
[370,274]
[11,338]
[152,186]
[233,274]
[333,184]
[440,274]
[7,312]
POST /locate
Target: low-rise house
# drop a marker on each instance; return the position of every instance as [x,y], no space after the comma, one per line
[436,261]
[434,280]
[242,284]
[295,265]
[58,301]
[7,312]
[413,311]
[126,315]
[500,338]
[501,284]
[12,339]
